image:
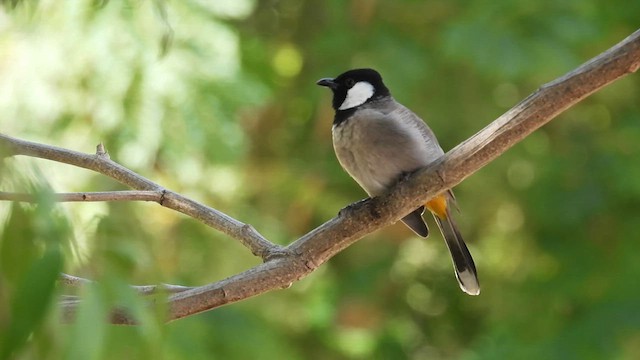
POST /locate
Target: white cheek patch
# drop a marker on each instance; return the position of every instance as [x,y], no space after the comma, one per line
[357,95]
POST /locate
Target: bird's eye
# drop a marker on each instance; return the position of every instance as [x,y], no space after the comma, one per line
[349,82]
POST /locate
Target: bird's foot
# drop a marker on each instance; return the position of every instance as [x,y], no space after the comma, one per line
[406,175]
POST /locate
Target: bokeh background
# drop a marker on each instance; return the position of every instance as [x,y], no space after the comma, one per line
[217,100]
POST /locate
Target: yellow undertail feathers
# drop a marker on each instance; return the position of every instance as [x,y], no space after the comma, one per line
[438,206]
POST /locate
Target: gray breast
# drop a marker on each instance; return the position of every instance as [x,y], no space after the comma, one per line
[376,146]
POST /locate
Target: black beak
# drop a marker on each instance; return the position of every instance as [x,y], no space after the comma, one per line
[328,82]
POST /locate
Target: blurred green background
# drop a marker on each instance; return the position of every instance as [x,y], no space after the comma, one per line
[217,100]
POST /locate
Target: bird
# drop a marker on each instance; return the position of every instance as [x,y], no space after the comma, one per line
[378,141]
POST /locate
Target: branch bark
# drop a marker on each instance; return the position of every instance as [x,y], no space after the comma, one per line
[283,266]
[89,196]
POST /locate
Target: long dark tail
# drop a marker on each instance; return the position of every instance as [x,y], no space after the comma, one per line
[462,261]
[415,222]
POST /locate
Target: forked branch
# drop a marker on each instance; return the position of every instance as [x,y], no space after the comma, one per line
[284,265]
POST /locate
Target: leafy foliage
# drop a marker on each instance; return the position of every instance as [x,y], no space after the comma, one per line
[217,100]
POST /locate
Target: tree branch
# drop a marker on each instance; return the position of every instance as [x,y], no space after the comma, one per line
[313,249]
[75,281]
[135,195]
[101,163]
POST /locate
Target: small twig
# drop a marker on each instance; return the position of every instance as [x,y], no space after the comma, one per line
[102,152]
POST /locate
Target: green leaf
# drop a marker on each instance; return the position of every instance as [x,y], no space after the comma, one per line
[31,300]
[89,328]
[17,245]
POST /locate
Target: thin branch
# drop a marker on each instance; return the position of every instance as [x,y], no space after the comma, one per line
[133,195]
[162,288]
[313,249]
[75,281]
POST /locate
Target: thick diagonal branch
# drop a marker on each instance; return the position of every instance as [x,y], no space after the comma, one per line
[316,247]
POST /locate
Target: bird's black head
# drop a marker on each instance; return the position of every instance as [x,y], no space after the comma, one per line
[354,88]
